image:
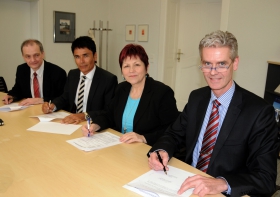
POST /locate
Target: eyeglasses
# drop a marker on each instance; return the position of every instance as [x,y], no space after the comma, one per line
[207,67]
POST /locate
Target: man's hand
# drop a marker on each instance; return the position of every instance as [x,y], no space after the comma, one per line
[7,99]
[154,162]
[47,108]
[203,185]
[91,131]
[31,101]
[132,137]
[73,119]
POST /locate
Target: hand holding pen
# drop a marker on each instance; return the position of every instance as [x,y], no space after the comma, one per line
[88,124]
[48,107]
[160,160]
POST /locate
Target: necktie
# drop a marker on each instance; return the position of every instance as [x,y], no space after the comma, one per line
[81,95]
[36,86]
[209,138]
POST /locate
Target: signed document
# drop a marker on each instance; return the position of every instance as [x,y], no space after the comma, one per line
[95,142]
[158,184]
[51,116]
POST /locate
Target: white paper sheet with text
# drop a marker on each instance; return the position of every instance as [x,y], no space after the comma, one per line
[12,107]
[54,127]
[95,142]
[158,184]
[51,116]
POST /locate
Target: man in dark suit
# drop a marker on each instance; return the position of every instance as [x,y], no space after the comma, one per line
[240,149]
[97,89]
[50,78]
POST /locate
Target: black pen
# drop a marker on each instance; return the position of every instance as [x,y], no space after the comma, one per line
[160,160]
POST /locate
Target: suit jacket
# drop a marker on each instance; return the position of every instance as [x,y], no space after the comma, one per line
[100,94]
[246,150]
[156,110]
[54,79]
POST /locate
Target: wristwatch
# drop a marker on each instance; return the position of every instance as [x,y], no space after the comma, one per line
[86,115]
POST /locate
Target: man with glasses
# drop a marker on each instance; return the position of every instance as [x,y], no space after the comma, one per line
[229,132]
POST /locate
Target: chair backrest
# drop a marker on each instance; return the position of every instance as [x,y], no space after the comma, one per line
[3,86]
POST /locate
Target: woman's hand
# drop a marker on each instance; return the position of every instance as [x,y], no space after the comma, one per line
[132,137]
[91,131]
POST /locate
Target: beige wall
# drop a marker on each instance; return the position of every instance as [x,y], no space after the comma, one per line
[254,22]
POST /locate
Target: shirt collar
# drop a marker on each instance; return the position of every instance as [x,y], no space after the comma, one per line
[40,71]
[225,98]
[90,74]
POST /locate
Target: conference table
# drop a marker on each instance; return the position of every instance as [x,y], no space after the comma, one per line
[34,164]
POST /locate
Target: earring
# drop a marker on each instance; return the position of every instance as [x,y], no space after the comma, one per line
[147,75]
[123,77]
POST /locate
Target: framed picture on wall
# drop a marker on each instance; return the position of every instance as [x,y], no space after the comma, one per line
[143,31]
[129,32]
[64,27]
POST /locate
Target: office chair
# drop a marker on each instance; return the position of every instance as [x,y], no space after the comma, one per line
[3,86]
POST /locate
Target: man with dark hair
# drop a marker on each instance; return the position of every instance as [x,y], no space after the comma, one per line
[88,89]
[228,132]
[36,80]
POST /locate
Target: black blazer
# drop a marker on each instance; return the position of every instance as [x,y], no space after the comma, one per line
[54,79]
[156,110]
[246,149]
[100,94]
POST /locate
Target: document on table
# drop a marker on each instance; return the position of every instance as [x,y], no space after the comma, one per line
[12,107]
[51,116]
[95,142]
[157,183]
[54,127]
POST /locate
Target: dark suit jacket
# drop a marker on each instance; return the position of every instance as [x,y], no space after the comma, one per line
[156,110]
[54,79]
[246,149]
[100,94]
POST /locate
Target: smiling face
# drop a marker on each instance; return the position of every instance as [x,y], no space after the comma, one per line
[33,56]
[84,59]
[134,70]
[219,82]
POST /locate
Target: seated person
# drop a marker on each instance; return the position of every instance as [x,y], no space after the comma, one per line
[142,108]
[228,132]
[88,89]
[36,80]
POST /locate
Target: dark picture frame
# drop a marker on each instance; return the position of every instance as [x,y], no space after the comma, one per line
[64,27]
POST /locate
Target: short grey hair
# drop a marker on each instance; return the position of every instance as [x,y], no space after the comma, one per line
[30,42]
[220,39]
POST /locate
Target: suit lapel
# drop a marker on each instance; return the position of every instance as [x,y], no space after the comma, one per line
[93,87]
[231,116]
[123,95]
[144,100]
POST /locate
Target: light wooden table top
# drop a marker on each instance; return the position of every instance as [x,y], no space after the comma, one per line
[44,164]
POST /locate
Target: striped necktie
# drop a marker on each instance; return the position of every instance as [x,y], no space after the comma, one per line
[209,138]
[36,86]
[81,95]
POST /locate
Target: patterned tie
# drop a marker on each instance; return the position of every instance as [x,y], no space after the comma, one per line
[36,86]
[209,138]
[81,95]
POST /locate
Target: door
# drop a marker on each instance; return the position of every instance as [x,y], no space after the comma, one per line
[195,19]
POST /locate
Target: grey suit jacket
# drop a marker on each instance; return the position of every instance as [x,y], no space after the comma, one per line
[100,94]
[246,150]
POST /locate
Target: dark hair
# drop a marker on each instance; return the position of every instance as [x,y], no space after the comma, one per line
[131,50]
[83,42]
[30,42]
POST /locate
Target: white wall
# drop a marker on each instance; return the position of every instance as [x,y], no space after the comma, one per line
[255,23]
[15,27]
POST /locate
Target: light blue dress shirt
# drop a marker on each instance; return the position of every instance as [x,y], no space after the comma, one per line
[129,113]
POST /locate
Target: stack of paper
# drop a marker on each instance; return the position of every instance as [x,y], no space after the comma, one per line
[97,141]
[52,116]
[157,183]
[12,107]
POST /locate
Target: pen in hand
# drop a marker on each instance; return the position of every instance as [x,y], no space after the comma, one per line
[88,125]
[50,104]
[160,160]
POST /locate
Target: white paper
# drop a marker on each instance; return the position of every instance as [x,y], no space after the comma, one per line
[95,142]
[12,107]
[54,127]
[158,184]
[52,116]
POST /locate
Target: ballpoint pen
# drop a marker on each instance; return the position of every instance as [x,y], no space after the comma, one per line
[50,102]
[88,125]
[160,160]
